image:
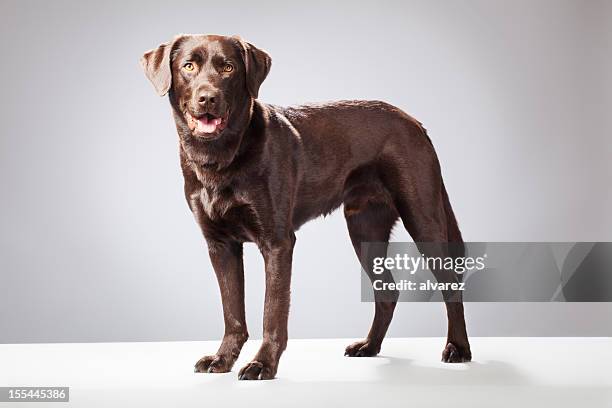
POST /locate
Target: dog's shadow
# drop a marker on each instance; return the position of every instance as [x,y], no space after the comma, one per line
[392,380]
[390,370]
[402,370]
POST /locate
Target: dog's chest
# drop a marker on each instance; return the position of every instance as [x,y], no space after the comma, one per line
[216,203]
[231,211]
[216,195]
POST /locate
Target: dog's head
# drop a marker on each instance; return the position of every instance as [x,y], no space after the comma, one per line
[211,79]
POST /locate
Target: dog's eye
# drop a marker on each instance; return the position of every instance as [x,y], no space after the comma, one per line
[188,67]
[228,68]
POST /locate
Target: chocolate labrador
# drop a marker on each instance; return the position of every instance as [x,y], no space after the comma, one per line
[256,172]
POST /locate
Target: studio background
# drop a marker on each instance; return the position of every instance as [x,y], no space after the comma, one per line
[97,242]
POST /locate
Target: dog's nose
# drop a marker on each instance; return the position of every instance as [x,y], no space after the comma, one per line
[207,99]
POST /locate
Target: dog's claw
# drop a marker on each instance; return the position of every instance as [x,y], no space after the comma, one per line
[256,370]
[361,349]
[452,354]
[212,364]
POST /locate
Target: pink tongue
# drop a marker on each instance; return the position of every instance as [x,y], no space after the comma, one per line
[207,126]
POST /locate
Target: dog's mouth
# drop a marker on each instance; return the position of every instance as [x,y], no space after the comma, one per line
[206,125]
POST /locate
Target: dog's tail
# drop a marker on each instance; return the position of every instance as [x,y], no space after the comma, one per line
[453,232]
[457,249]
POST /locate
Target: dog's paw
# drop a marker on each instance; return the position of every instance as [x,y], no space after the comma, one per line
[361,349]
[212,364]
[453,354]
[256,370]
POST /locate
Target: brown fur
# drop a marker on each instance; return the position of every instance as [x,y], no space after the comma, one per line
[271,169]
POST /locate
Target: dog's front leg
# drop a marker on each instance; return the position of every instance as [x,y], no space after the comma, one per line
[277,257]
[226,259]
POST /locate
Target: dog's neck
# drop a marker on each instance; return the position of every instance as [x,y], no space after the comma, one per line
[215,155]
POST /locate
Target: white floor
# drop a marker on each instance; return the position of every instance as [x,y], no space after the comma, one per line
[506,372]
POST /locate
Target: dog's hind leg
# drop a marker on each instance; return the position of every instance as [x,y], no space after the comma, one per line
[427,215]
[370,216]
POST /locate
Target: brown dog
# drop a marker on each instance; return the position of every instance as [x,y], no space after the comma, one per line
[256,172]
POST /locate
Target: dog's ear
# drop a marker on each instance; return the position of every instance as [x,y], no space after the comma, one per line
[156,64]
[257,64]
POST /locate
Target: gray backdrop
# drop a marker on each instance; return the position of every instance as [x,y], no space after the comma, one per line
[97,243]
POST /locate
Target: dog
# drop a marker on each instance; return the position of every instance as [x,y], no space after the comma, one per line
[255,172]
